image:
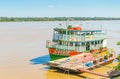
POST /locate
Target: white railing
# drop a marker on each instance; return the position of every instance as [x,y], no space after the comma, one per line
[63,47]
[79,38]
[51,44]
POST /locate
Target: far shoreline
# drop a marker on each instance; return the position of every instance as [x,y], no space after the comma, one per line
[48,19]
[58,21]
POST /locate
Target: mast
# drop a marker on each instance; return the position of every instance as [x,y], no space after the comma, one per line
[67,23]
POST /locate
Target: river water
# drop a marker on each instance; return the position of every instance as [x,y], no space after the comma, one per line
[21,42]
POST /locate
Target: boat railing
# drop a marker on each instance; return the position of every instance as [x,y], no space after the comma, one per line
[50,43]
[80,48]
[79,37]
[63,47]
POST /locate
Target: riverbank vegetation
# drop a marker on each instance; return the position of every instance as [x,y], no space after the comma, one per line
[118,66]
[116,69]
[22,19]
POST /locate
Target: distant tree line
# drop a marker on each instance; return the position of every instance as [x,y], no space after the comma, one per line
[20,19]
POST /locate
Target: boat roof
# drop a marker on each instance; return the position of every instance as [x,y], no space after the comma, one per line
[62,29]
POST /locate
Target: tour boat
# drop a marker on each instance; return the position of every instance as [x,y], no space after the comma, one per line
[75,40]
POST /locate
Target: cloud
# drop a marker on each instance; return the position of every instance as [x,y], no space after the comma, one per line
[50,6]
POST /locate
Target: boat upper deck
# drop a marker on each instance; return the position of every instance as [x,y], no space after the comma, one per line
[90,30]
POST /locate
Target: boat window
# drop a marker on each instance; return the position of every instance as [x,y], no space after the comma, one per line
[91,33]
[71,44]
[69,33]
[60,43]
[60,32]
[77,44]
[78,33]
[87,43]
[98,42]
[95,42]
[101,41]
[87,33]
[83,34]
[83,44]
[74,33]
[92,43]
[64,32]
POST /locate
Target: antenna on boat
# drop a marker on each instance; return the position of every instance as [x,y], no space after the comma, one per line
[67,22]
[101,27]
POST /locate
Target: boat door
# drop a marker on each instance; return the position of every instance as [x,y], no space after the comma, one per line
[88,46]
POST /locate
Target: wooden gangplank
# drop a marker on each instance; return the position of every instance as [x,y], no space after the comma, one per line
[92,72]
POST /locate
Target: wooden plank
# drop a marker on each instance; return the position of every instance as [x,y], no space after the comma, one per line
[91,72]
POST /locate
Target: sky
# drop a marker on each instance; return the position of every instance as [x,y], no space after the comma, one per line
[60,8]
